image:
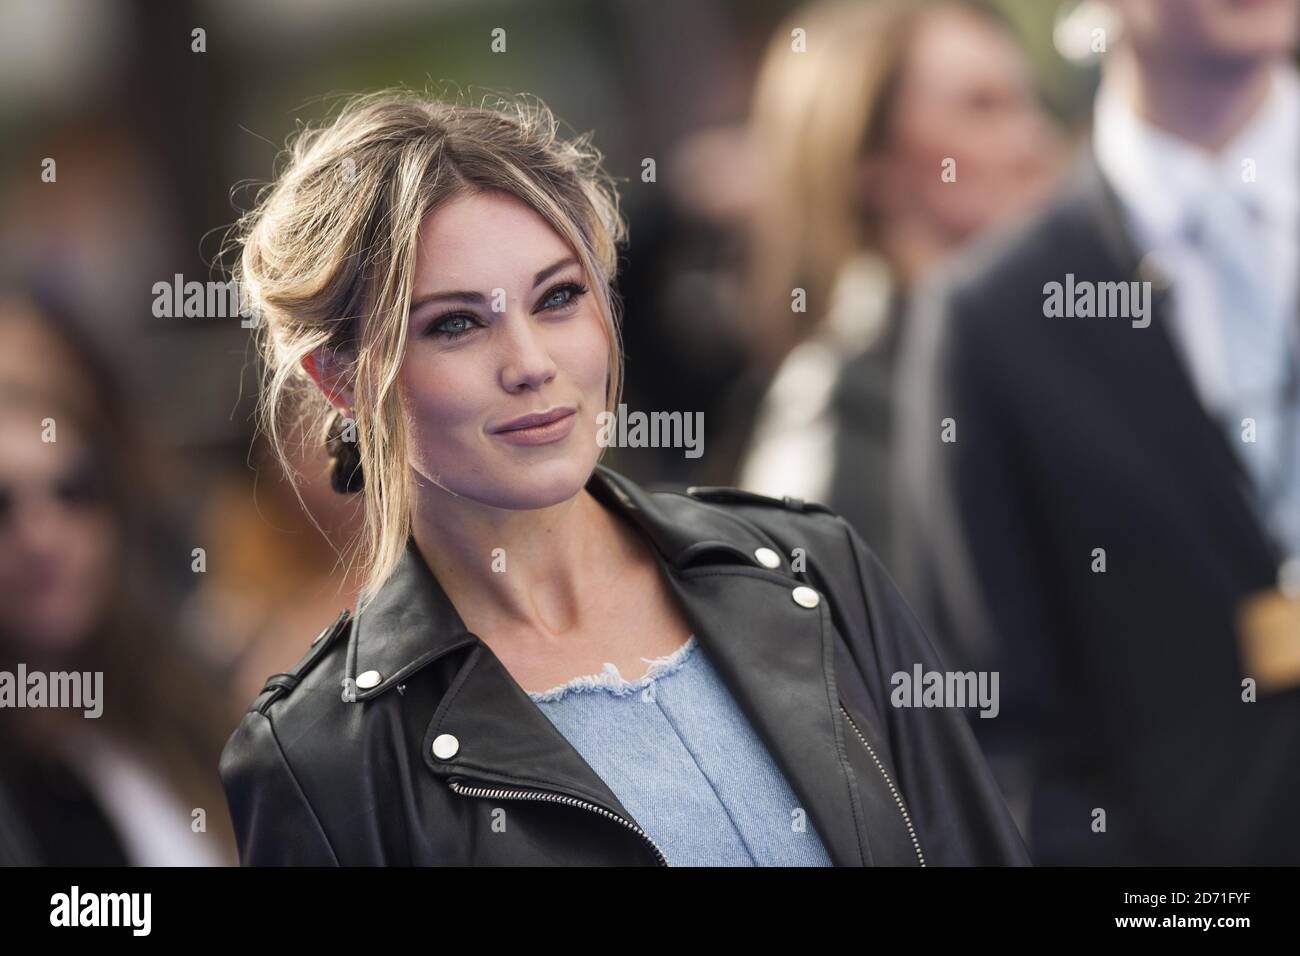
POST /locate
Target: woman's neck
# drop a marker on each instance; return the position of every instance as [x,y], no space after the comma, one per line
[522,569]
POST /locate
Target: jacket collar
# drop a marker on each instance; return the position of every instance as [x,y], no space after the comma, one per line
[411,621]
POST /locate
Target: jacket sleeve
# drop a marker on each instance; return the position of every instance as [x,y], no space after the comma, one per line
[275,824]
[955,803]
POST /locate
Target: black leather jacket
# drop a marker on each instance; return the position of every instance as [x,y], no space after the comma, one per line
[400,738]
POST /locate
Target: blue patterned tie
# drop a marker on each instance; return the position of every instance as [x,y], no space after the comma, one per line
[1259,355]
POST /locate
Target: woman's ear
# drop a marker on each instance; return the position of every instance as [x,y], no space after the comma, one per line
[331,369]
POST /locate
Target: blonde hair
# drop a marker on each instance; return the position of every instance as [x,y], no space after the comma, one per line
[333,240]
[814,115]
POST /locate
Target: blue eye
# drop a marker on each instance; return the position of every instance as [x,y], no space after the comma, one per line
[452,326]
[569,292]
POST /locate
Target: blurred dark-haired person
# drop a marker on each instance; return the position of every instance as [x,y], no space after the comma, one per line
[894,134]
[118,778]
[1101,457]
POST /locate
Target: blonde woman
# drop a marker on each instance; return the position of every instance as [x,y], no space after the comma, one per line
[436,279]
[902,129]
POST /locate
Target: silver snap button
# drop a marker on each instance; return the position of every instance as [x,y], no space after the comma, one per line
[806,597]
[445,746]
[369,679]
[768,558]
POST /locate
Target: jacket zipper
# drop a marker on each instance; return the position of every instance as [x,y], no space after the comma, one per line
[498,794]
[897,797]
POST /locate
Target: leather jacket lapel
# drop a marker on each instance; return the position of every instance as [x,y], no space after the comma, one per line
[776,658]
[503,738]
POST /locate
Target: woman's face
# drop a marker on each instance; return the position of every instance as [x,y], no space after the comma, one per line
[965,98]
[502,325]
[57,539]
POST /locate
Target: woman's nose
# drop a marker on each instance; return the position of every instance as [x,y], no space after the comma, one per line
[527,362]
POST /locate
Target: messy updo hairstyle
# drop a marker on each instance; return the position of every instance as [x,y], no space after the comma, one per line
[332,241]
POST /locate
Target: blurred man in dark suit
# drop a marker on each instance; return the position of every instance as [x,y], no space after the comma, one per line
[1099,472]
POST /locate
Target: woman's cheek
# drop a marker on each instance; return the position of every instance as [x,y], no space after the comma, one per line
[586,351]
[442,397]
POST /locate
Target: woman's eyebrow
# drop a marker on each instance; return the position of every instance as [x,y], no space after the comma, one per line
[477,297]
[552,269]
[440,296]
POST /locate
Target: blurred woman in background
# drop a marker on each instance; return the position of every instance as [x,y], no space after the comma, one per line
[78,594]
[887,133]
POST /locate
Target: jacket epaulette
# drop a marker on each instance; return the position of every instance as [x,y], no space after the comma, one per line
[730,495]
[279,684]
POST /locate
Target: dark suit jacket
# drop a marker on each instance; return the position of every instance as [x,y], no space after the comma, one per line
[862,401]
[1122,689]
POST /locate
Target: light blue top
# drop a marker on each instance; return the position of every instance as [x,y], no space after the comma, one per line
[678,752]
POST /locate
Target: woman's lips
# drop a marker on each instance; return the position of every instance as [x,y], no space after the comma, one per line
[540,434]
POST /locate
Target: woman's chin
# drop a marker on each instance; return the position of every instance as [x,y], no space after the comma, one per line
[551,485]
[540,484]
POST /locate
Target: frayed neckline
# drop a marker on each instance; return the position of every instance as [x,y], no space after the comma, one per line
[612,682]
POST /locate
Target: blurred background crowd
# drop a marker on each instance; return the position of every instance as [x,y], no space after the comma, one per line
[918,171]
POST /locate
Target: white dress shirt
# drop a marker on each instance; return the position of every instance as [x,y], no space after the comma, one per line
[792,446]
[1162,181]
[147,815]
